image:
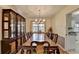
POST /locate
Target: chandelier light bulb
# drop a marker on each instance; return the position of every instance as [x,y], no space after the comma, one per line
[36,20]
[43,20]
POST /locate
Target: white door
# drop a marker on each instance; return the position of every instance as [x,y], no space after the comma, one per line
[77,43]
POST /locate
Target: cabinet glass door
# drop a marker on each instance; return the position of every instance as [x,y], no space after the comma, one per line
[13,25]
[22,27]
[18,26]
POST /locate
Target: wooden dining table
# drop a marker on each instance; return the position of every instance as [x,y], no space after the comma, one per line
[48,40]
[40,45]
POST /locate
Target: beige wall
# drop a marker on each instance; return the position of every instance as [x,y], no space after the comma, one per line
[59,22]
[48,23]
[28,24]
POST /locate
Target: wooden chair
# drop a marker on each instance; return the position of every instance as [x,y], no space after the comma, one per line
[55,38]
[40,46]
[27,48]
[33,47]
[46,48]
[54,50]
[50,35]
[22,51]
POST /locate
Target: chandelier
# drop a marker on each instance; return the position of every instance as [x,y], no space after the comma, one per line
[39,19]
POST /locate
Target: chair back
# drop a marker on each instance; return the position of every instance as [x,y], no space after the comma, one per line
[55,38]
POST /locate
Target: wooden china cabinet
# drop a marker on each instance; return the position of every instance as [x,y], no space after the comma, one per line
[13,31]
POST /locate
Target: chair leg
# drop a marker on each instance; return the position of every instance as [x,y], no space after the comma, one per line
[28,52]
[22,51]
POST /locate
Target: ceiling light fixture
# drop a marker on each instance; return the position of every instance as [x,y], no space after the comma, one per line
[39,19]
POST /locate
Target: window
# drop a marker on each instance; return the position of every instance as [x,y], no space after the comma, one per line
[36,27]
[38,31]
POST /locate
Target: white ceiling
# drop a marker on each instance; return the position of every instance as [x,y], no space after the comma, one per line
[45,10]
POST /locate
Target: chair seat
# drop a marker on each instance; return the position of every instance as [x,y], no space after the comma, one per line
[40,49]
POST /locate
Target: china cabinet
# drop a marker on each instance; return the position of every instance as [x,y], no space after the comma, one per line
[13,31]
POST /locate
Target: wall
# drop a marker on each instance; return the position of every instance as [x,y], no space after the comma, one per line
[48,23]
[59,21]
[0,30]
[28,24]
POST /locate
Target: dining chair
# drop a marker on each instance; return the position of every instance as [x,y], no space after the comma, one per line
[40,46]
[55,38]
[26,49]
[54,50]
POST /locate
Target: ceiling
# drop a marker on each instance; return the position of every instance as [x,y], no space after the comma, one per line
[45,10]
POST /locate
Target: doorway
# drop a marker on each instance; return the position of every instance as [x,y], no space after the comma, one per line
[72,32]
